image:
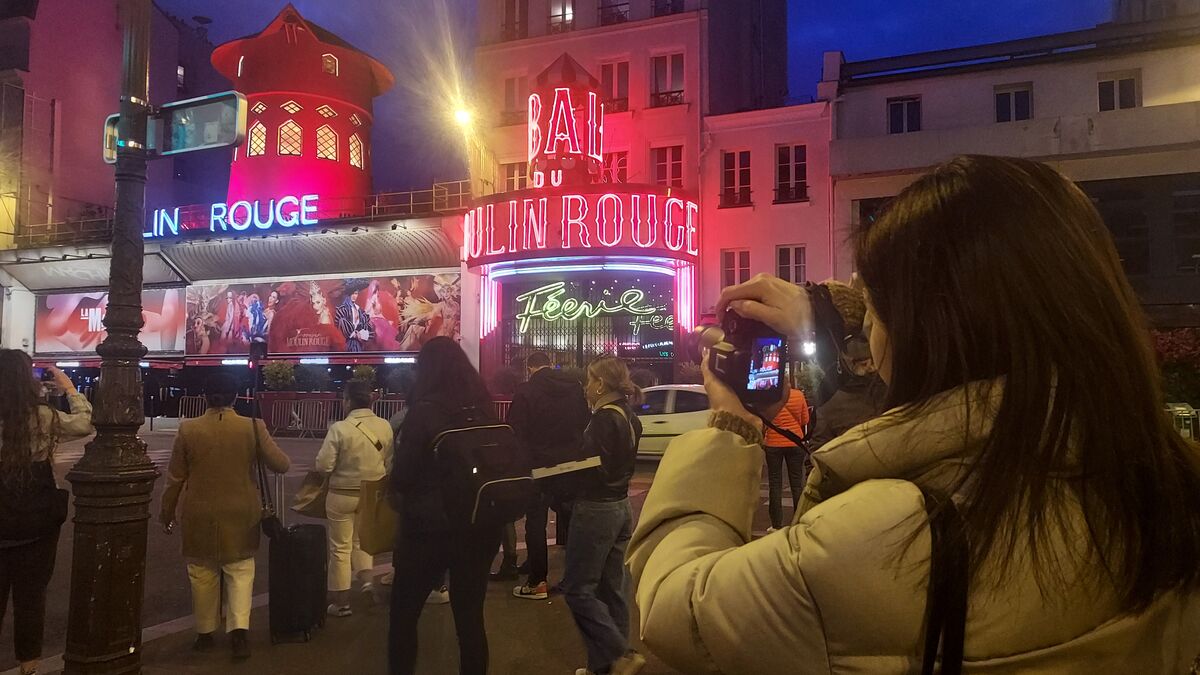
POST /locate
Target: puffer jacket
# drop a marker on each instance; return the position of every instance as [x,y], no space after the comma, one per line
[838,592]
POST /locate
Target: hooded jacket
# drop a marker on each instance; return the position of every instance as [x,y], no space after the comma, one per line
[859,399]
[839,592]
[549,414]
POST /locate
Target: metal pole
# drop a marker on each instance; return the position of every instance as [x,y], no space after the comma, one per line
[113,481]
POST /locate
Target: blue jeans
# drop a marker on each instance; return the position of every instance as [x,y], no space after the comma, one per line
[596,581]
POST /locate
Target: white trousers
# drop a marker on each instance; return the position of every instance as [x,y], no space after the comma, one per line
[206,594]
[346,559]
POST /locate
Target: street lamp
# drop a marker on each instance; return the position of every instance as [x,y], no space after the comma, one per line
[464,118]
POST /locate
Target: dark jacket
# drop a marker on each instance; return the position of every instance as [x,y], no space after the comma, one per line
[858,400]
[549,414]
[416,478]
[615,439]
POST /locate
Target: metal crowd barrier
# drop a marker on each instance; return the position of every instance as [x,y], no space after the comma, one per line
[386,408]
[192,406]
[1186,421]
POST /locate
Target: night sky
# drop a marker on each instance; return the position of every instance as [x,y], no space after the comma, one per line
[414,144]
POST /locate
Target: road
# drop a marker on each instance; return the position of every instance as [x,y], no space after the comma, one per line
[168,597]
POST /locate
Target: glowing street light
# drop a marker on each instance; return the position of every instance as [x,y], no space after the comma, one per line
[463,117]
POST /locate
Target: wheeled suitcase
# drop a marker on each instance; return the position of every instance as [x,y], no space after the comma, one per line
[297,584]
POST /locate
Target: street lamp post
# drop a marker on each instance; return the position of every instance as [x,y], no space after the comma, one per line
[113,481]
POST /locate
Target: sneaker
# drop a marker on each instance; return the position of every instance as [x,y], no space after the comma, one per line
[528,592]
[204,642]
[583,671]
[338,610]
[239,640]
[630,664]
[438,596]
[388,578]
[368,588]
[507,572]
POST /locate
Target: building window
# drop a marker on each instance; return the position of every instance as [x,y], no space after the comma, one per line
[329,64]
[256,143]
[326,112]
[613,12]
[735,266]
[291,107]
[258,108]
[616,167]
[1185,228]
[865,212]
[667,87]
[668,166]
[666,7]
[791,173]
[326,143]
[562,15]
[790,264]
[1118,91]
[356,151]
[614,86]
[516,100]
[904,115]
[735,178]
[516,176]
[180,77]
[290,138]
[516,15]
[355,120]
[241,62]
[1014,103]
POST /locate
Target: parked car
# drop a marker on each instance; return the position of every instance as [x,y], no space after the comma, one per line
[668,411]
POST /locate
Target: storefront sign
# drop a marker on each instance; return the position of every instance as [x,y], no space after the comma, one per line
[74,322]
[240,216]
[593,220]
[548,304]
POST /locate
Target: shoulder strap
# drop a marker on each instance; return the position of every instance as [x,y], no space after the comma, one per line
[624,416]
[946,599]
[370,437]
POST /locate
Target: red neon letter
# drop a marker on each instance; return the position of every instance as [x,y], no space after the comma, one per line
[512,226]
[674,234]
[492,249]
[595,127]
[535,223]
[585,237]
[467,236]
[534,125]
[648,237]
[609,204]
[477,232]
[693,232]
[562,124]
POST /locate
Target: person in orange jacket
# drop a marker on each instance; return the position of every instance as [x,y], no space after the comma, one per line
[793,417]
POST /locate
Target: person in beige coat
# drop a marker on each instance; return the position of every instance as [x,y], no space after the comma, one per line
[211,472]
[1022,385]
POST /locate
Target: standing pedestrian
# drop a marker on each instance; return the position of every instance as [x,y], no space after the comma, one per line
[447,392]
[356,449]
[32,508]
[860,398]
[548,414]
[596,581]
[793,417]
[210,473]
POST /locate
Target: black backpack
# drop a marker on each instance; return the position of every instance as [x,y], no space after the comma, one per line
[486,472]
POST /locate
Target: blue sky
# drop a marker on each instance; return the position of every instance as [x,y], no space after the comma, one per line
[411,140]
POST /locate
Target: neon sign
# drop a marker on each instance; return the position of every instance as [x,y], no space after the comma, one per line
[239,216]
[548,304]
[561,136]
[605,217]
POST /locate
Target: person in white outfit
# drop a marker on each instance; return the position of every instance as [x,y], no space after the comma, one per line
[356,449]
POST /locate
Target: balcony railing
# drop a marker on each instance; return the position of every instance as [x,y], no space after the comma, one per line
[73,232]
[511,117]
[616,105]
[560,24]
[614,13]
[516,30]
[667,7]
[735,197]
[662,99]
[785,193]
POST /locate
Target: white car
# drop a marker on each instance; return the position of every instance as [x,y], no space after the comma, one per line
[668,411]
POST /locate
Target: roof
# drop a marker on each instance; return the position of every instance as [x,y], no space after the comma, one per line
[569,72]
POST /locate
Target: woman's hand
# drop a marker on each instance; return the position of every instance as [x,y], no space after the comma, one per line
[780,304]
[723,399]
[60,378]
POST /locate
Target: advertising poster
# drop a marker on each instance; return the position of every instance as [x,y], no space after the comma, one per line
[392,313]
[72,323]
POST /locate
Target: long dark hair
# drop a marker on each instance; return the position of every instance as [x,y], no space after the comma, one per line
[445,375]
[21,428]
[1000,270]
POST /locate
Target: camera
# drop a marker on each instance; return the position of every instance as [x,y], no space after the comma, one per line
[748,356]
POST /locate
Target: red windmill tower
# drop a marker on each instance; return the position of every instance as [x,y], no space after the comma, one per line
[309,129]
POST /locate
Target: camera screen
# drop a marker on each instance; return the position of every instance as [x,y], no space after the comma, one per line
[38,373]
[766,364]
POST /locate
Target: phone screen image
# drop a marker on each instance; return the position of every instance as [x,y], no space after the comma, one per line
[766,364]
[39,373]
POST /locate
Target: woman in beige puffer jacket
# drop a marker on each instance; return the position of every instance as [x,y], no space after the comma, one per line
[1023,385]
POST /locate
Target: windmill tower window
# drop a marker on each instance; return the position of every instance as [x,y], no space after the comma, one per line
[329,64]
[356,152]
[327,143]
[257,140]
[290,139]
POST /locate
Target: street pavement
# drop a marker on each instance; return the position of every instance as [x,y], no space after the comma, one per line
[525,636]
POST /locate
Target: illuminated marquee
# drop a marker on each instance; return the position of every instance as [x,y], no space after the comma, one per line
[560,135]
[240,216]
[595,219]
[548,304]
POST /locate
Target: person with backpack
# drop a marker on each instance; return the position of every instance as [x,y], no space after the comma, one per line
[454,467]
[793,417]
[32,507]
[596,583]
[356,449]
[549,413]
[211,473]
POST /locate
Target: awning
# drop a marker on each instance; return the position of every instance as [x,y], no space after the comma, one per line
[79,267]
